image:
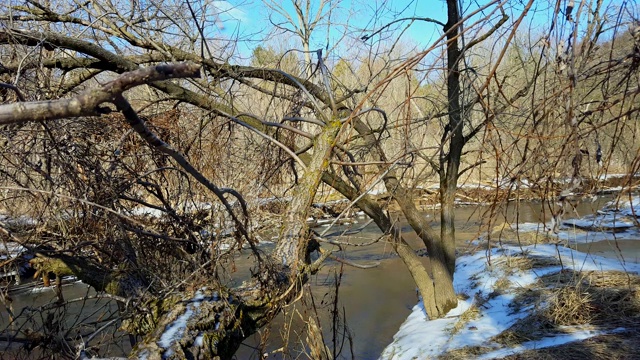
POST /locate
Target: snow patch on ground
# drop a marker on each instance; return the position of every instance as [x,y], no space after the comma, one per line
[624,206]
[560,339]
[530,227]
[199,340]
[607,221]
[66,281]
[377,189]
[10,250]
[147,211]
[185,207]
[22,220]
[478,186]
[476,276]
[611,176]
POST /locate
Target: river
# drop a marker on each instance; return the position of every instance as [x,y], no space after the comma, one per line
[375,301]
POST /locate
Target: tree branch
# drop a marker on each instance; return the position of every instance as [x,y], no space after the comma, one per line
[427,19]
[88,103]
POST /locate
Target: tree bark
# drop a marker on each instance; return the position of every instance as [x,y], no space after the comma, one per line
[445,296]
[223,319]
[450,162]
[409,257]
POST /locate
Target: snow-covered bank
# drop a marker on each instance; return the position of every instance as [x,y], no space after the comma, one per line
[490,285]
[503,289]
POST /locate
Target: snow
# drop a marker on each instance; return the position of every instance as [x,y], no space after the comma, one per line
[186,207]
[476,276]
[22,220]
[578,236]
[624,206]
[144,355]
[614,222]
[174,331]
[611,176]
[66,281]
[199,340]
[530,227]
[616,215]
[10,250]
[550,341]
[476,186]
[147,211]
[606,221]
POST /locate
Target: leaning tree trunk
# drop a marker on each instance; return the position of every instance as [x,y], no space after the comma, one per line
[210,324]
[412,261]
[443,294]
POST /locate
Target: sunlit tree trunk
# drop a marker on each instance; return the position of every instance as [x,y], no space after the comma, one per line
[450,162]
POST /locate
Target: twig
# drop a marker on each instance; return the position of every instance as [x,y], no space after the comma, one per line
[351,263]
[15,89]
[427,19]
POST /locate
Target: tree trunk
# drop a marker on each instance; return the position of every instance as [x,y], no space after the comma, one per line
[409,257]
[221,320]
[450,163]
[442,278]
[445,296]
[291,246]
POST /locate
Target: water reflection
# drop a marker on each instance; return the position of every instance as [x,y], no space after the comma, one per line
[376,301]
[38,316]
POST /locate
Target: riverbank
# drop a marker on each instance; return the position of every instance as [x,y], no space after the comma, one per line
[542,298]
[376,301]
[514,299]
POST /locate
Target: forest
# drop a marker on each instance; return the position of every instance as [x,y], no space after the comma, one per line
[191,180]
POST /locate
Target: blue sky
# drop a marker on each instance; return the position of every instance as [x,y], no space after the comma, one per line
[248,19]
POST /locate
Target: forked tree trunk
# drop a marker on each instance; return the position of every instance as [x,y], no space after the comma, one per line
[445,295]
[437,290]
[442,279]
[411,260]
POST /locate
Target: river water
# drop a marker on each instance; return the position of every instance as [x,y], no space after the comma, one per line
[377,301]
[374,301]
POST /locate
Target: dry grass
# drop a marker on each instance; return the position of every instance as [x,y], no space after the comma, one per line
[471,314]
[468,352]
[530,328]
[612,278]
[524,263]
[571,306]
[502,285]
[566,299]
[624,345]
[605,300]
[506,235]
[600,298]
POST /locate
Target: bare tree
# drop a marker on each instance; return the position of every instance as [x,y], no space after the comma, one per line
[309,19]
[72,154]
